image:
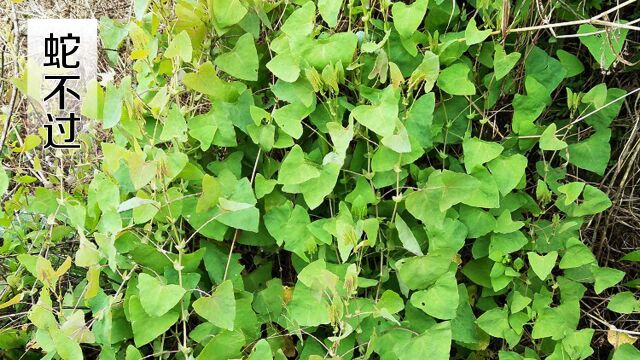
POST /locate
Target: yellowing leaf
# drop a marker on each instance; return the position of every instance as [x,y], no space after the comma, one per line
[14,300]
[617,338]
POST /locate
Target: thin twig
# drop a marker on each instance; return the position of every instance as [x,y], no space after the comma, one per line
[593,20]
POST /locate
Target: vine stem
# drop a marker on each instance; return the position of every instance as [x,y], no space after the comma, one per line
[235,234]
[611,327]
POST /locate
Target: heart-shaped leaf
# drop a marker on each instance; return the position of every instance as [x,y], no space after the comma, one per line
[381,116]
[295,169]
[242,61]
[227,12]
[219,308]
[407,18]
[180,47]
[604,47]
[571,190]
[549,141]
[542,265]
[474,36]
[478,152]
[454,80]
[156,297]
[503,63]
[146,328]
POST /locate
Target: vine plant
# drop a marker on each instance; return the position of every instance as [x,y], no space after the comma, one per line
[345,180]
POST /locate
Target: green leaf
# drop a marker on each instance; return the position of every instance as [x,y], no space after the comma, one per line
[242,61]
[557,322]
[503,63]
[391,302]
[264,186]
[427,71]
[317,189]
[295,169]
[238,209]
[329,10]
[381,116]
[407,238]
[597,96]
[112,34]
[214,127]
[420,272]
[337,48]
[4,181]
[223,346]
[146,328]
[604,47]
[624,303]
[577,344]
[174,126]
[575,256]
[203,129]
[219,308]
[549,141]
[451,188]
[156,297]
[632,256]
[205,80]
[301,22]
[211,192]
[595,201]
[67,348]
[290,226]
[626,352]
[606,277]
[435,341]
[420,119]
[495,322]
[308,307]
[440,300]
[407,18]
[486,195]
[474,36]
[504,224]
[477,221]
[591,154]
[261,351]
[227,12]
[547,71]
[285,67]
[180,47]
[508,171]
[542,264]
[519,302]
[289,118]
[571,191]
[570,62]
[478,152]
[503,244]
[76,214]
[454,80]
[113,105]
[132,353]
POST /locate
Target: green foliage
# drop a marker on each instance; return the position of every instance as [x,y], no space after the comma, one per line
[324,180]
